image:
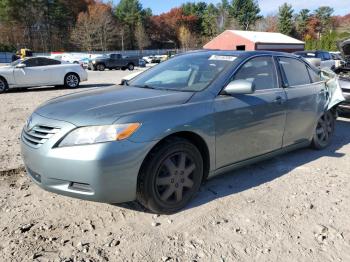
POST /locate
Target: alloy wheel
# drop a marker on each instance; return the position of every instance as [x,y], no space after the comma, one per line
[325,127]
[100,67]
[175,178]
[2,86]
[72,81]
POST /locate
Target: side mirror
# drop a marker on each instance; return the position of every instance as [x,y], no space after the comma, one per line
[20,66]
[239,87]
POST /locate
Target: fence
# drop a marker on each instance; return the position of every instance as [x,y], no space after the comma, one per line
[125,52]
[5,57]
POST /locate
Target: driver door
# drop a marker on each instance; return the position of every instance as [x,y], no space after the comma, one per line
[251,125]
[31,75]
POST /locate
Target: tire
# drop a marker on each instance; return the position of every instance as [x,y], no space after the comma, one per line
[324,131]
[171,176]
[71,80]
[101,67]
[131,67]
[123,68]
[3,85]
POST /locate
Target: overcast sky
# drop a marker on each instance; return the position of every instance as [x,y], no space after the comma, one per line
[341,7]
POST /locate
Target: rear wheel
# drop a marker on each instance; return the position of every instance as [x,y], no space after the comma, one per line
[324,131]
[3,85]
[71,80]
[171,177]
[100,67]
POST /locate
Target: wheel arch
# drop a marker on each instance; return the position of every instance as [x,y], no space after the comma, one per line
[73,73]
[193,138]
[6,82]
[3,78]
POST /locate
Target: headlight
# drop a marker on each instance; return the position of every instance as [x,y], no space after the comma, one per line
[94,62]
[99,134]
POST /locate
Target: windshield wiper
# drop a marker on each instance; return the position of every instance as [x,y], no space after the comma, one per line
[145,86]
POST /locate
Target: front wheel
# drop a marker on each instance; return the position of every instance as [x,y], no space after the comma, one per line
[3,85]
[324,131]
[71,81]
[171,176]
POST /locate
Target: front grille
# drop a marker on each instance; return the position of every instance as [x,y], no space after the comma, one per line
[38,135]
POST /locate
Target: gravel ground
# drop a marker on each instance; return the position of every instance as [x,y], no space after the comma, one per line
[291,208]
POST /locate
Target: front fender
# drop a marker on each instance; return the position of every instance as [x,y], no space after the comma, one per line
[197,118]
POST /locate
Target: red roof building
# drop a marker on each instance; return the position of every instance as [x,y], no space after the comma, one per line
[251,40]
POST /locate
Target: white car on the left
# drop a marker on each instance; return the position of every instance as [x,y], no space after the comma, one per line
[41,71]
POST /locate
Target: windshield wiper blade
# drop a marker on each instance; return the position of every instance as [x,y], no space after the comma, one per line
[145,86]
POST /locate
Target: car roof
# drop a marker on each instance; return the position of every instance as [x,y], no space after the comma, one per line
[241,54]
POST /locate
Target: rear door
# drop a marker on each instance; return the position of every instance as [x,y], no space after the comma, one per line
[305,99]
[115,60]
[253,124]
[53,72]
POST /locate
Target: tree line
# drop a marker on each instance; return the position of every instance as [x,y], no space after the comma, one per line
[87,25]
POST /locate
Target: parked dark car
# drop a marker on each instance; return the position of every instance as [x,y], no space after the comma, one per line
[326,59]
[113,61]
[194,116]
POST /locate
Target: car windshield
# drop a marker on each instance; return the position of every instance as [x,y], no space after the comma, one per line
[14,63]
[191,73]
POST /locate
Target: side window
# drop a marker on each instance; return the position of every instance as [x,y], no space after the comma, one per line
[43,61]
[261,71]
[115,56]
[315,76]
[32,62]
[52,62]
[294,72]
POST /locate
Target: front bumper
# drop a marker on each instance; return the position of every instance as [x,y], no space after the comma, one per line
[105,172]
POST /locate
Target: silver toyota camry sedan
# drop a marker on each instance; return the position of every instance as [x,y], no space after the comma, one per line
[157,138]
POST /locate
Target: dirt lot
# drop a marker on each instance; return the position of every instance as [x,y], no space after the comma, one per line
[291,208]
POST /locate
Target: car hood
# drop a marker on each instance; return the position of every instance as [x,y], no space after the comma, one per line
[104,106]
[344,47]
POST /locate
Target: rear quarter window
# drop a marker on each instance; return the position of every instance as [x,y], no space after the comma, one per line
[315,76]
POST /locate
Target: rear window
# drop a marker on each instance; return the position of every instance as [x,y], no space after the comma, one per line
[294,72]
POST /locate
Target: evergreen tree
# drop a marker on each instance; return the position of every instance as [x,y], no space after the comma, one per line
[285,19]
[223,15]
[301,22]
[245,12]
[129,13]
[210,21]
[324,14]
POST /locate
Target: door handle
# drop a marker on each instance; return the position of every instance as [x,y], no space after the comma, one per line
[279,100]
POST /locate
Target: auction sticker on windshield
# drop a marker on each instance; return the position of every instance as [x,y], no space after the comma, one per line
[223,58]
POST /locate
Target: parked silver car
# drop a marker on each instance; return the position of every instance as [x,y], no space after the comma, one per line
[194,116]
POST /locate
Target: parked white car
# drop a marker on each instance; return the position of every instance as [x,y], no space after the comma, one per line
[41,71]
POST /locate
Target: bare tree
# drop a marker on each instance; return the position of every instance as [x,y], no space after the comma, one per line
[95,29]
[141,36]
